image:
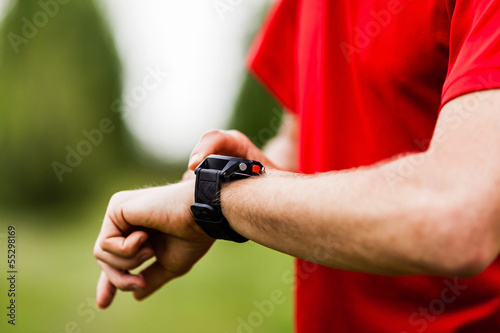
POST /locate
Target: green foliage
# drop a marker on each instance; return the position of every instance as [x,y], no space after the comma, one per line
[59,76]
[65,80]
[256,113]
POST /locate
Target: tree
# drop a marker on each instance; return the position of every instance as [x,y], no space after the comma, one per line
[60,76]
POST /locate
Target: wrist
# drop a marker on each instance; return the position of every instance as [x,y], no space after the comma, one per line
[211,175]
[239,199]
[187,201]
[243,202]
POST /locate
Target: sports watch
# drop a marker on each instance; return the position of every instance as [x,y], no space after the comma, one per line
[210,175]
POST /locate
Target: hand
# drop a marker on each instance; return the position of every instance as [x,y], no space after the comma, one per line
[230,143]
[145,223]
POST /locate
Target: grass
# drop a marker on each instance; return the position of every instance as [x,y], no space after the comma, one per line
[229,290]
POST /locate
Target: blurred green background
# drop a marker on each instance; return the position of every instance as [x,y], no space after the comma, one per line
[55,83]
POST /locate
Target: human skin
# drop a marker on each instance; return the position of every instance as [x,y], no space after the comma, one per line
[442,218]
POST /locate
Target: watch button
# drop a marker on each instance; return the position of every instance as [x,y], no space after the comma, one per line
[256,168]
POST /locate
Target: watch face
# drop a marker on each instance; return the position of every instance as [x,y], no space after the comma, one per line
[232,166]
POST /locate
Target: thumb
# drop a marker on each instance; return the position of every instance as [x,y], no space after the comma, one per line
[231,143]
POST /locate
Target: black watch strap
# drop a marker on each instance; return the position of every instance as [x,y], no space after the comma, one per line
[206,209]
[218,229]
[207,187]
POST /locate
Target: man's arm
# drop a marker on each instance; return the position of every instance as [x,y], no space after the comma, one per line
[121,246]
[436,212]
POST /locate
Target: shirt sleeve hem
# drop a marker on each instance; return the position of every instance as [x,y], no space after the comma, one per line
[483,79]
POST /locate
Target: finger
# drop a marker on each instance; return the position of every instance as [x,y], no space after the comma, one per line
[125,247]
[105,292]
[155,277]
[178,258]
[232,143]
[121,279]
[125,263]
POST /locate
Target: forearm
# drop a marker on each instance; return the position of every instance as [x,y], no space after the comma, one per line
[440,218]
[349,220]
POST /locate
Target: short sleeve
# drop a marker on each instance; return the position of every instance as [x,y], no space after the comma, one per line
[272,55]
[474,62]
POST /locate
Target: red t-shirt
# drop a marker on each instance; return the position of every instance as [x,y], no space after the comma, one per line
[367,79]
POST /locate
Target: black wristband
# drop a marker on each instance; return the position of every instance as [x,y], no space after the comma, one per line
[210,175]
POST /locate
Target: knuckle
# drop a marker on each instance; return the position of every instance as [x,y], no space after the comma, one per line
[117,198]
[123,265]
[116,204]
[211,133]
[97,252]
[121,285]
[127,251]
[132,264]
[235,133]
[103,245]
[242,139]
